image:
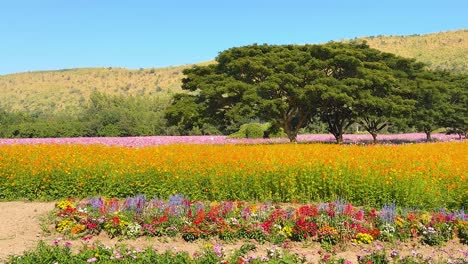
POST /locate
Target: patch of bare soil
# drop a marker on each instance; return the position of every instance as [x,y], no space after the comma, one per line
[21,229]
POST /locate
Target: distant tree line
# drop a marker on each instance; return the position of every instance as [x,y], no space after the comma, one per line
[295,89]
[104,115]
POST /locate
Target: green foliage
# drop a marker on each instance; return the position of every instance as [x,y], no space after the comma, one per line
[257,130]
[272,83]
[455,113]
[462,230]
[290,86]
[105,115]
[432,92]
[98,253]
[375,258]
[254,130]
[124,116]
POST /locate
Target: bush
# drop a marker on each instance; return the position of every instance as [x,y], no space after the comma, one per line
[256,130]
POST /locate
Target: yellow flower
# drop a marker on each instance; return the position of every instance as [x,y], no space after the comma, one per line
[208,246]
[425,218]
[363,238]
[287,230]
[64,204]
[64,225]
[399,221]
[77,229]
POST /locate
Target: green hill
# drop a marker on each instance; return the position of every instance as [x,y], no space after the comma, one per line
[67,90]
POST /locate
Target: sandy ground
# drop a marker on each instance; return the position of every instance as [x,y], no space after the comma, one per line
[20,226]
[20,230]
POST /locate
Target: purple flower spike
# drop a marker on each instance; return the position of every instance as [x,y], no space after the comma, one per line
[388,213]
[96,202]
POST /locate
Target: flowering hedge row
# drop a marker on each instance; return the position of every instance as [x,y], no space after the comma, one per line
[328,223]
[419,175]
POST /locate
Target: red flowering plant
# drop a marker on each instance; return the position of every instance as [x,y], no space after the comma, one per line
[305,226]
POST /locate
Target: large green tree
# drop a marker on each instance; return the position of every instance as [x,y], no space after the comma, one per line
[431,93]
[263,82]
[361,85]
[385,97]
[455,114]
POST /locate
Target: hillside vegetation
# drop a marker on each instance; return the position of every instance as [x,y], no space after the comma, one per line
[441,51]
[68,90]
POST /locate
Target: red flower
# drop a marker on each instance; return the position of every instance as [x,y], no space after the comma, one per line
[411,216]
[199,217]
[359,215]
[307,210]
[91,225]
[115,220]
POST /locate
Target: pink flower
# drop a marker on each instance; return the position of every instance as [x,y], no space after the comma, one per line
[91,260]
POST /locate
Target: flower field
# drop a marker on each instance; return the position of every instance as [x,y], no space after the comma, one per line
[166,140]
[415,175]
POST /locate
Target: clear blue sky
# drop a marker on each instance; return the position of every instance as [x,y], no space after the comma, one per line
[58,34]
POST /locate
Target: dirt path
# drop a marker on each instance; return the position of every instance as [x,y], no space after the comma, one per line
[20,226]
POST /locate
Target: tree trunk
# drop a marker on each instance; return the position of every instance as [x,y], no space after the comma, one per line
[428,136]
[292,137]
[339,138]
[374,136]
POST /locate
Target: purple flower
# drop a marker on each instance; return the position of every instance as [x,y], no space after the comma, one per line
[135,204]
[156,202]
[227,207]
[340,206]
[323,207]
[388,213]
[176,200]
[218,250]
[96,202]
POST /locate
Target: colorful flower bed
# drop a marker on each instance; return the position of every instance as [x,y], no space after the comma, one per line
[418,175]
[327,223]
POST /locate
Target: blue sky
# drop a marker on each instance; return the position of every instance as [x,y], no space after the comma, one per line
[58,34]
